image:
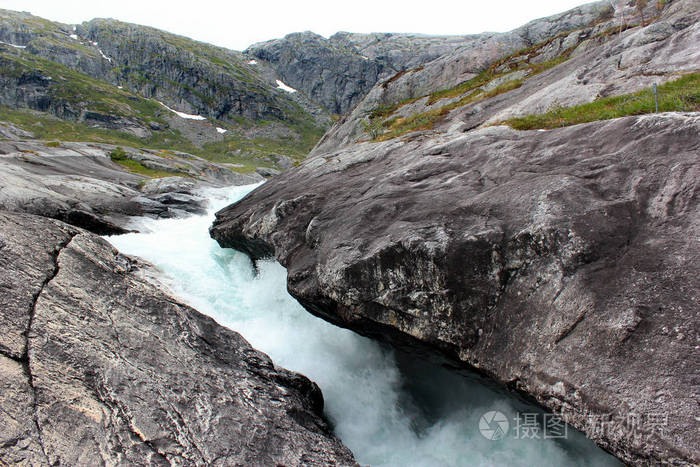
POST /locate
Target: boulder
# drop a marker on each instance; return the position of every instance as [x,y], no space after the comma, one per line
[267,172]
[157,186]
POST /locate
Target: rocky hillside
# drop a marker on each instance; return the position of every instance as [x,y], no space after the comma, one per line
[150,88]
[561,262]
[330,73]
[119,83]
[338,72]
[603,55]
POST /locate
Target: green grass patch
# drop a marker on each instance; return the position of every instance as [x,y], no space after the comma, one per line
[517,61]
[482,79]
[121,157]
[681,95]
[138,168]
[118,155]
[53,144]
[491,74]
[425,121]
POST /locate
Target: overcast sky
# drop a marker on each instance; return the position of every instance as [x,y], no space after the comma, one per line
[238,24]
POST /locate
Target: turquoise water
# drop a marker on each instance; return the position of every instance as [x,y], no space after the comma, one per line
[388,408]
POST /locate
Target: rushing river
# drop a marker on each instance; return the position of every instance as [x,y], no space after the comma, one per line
[388,408]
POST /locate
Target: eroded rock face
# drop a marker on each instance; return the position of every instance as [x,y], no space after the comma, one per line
[562,263]
[100,367]
[337,73]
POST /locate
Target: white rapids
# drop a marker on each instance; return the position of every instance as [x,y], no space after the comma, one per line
[388,408]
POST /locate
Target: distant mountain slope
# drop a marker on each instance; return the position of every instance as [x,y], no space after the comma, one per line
[110,74]
[338,72]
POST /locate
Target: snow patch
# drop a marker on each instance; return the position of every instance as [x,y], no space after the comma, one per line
[74,37]
[104,56]
[221,130]
[14,45]
[252,62]
[364,58]
[74,29]
[95,44]
[284,87]
[120,87]
[183,114]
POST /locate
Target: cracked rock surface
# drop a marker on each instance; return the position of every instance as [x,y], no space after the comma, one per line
[562,263]
[98,366]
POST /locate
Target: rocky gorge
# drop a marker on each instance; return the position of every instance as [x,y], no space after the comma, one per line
[439,216]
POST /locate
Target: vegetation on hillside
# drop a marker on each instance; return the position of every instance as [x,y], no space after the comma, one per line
[382,124]
[70,92]
[398,126]
[242,153]
[62,94]
[682,94]
[119,156]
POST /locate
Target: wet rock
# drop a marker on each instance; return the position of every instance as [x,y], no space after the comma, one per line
[189,203]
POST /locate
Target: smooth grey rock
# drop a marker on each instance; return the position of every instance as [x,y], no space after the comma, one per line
[284,162]
[115,371]
[267,172]
[11,132]
[79,184]
[169,185]
[561,263]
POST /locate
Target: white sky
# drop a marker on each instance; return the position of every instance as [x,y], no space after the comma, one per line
[237,24]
